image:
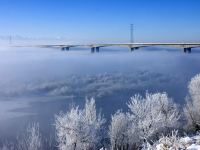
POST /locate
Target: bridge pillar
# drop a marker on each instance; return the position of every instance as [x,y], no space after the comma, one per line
[97,49]
[67,48]
[132,49]
[187,50]
[92,49]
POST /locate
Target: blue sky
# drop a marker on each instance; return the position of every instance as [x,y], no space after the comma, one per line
[102,20]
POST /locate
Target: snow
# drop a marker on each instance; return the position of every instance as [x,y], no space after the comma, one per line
[186,141]
[160,147]
[173,142]
[194,147]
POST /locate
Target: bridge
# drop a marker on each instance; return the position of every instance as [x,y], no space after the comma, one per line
[187,47]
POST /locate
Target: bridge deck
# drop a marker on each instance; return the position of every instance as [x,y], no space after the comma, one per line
[179,45]
[95,47]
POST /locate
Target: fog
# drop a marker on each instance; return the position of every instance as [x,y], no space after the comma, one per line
[38,83]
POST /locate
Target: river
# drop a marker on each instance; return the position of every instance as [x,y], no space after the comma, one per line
[36,83]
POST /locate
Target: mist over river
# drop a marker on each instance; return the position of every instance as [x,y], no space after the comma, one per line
[36,83]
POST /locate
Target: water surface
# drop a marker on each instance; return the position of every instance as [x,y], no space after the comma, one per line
[36,84]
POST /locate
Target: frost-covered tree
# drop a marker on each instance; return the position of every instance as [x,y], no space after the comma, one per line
[169,111]
[79,128]
[118,131]
[31,140]
[148,117]
[192,108]
[152,114]
[7,146]
[67,128]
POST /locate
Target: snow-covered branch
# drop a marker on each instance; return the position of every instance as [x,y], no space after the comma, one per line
[79,129]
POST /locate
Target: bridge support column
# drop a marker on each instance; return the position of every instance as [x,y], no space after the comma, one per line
[97,49]
[67,48]
[132,49]
[187,50]
[92,49]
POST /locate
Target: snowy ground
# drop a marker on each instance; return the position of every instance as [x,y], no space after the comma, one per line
[176,143]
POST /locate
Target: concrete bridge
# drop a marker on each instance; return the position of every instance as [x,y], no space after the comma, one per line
[187,47]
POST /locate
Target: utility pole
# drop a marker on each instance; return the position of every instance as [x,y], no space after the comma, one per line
[131,33]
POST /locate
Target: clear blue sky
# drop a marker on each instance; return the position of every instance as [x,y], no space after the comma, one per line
[102,20]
